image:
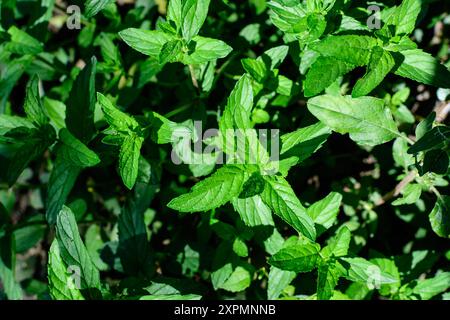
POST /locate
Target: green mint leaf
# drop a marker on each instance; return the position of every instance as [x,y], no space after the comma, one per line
[425,125]
[410,194]
[351,49]
[428,288]
[194,14]
[366,119]
[364,271]
[75,152]
[324,212]
[440,217]
[33,104]
[297,258]
[274,57]
[8,267]
[237,112]
[129,159]
[12,71]
[134,249]
[28,145]
[436,138]
[212,192]
[323,73]
[400,153]
[202,50]
[22,43]
[74,254]
[278,281]
[81,103]
[257,69]
[405,16]
[328,275]
[148,42]
[8,123]
[280,197]
[171,51]
[303,142]
[253,211]
[61,181]
[338,245]
[174,12]
[284,16]
[380,64]
[92,7]
[422,67]
[60,278]
[118,120]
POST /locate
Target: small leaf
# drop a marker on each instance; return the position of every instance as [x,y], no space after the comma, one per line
[148,42]
[129,159]
[411,193]
[324,212]
[339,244]
[440,217]
[203,49]
[257,69]
[328,277]
[212,192]
[117,119]
[75,152]
[92,7]
[170,51]
[33,105]
[278,281]
[405,16]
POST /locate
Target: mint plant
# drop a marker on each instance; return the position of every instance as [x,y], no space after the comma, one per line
[208,149]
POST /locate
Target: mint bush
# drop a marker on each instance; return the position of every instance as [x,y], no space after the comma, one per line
[320,169]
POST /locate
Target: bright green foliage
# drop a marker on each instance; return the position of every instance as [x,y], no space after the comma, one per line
[208,149]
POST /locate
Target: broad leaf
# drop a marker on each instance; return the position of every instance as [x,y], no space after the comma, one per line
[424,68]
[212,192]
[297,258]
[61,280]
[280,197]
[74,254]
[366,119]
[380,64]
